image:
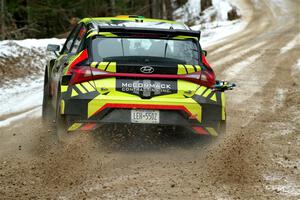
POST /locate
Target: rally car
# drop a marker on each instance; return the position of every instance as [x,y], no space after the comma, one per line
[133,70]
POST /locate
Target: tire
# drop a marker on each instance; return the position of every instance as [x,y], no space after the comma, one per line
[222,128]
[48,113]
[62,121]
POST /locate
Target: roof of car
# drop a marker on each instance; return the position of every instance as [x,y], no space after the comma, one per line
[134,21]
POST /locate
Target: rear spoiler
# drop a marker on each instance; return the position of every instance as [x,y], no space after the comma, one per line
[164,33]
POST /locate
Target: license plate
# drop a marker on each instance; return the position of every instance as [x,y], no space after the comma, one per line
[145,116]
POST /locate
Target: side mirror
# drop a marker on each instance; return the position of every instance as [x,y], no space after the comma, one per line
[204,52]
[53,48]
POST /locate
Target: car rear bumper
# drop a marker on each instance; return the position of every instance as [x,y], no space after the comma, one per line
[123,116]
[201,112]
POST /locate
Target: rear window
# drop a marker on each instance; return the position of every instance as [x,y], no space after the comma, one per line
[140,50]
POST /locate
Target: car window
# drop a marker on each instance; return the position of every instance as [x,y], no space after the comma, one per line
[131,49]
[78,39]
[70,39]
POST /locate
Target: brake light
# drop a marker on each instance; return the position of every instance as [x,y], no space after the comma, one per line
[85,73]
[80,74]
[204,77]
[208,78]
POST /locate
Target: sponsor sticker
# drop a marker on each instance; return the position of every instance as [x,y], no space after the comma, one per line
[147,88]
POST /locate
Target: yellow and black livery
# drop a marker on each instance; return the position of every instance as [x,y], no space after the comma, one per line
[107,91]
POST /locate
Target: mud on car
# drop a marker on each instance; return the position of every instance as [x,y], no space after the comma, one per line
[133,70]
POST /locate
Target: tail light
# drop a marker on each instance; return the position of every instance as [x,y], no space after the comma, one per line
[208,78]
[85,73]
[204,77]
[80,74]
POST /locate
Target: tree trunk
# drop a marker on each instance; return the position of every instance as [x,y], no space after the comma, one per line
[153,8]
[205,4]
[113,7]
[2,20]
[168,10]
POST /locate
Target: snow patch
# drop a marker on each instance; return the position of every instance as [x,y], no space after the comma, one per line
[223,7]
[36,112]
[290,45]
[188,11]
[288,163]
[296,68]
[257,4]
[224,48]
[238,54]
[238,67]
[290,188]
[216,32]
[21,94]
[279,98]
[282,128]
[12,47]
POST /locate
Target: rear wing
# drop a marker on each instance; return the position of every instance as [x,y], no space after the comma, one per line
[150,32]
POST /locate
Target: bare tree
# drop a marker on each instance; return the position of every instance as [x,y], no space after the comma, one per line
[2,20]
[113,7]
[205,4]
[155,8]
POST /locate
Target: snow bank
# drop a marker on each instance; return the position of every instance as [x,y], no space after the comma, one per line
[191,12]
[21,94]
[222,7]
[19,57]
[291,44]
[16,47]
[214,32]
[213,21]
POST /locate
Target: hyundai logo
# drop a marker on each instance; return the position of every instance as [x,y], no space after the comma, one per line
[147,69]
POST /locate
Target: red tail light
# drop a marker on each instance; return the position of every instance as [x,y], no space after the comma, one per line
[204,77]
[208,78]
[80,74]
[86,73]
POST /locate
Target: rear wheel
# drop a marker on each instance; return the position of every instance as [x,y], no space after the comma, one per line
[222,128]
[47,110]
[62,121]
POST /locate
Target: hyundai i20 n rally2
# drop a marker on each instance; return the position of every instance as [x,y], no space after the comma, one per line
[133,70]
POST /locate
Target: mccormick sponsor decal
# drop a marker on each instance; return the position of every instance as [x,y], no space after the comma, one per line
[147,88]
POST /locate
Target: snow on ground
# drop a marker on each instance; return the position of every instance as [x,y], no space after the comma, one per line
[290,188]
[215,32]
[235,69]
[35,112]
[212,20]
[191,11]
[19,57]
[24,95]
[296,68]
[290,45]
[21,94]
[12,47]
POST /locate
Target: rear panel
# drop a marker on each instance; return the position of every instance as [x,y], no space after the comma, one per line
[90,100]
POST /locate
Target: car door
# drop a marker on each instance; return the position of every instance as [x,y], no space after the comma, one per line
[62,61]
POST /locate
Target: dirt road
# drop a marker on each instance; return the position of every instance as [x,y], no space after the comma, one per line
[259,157]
